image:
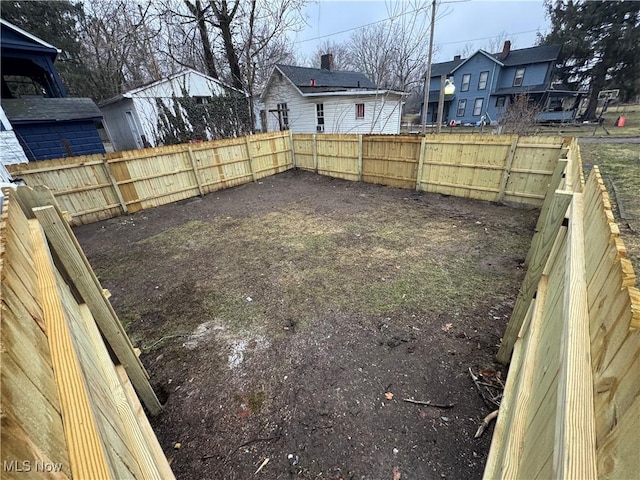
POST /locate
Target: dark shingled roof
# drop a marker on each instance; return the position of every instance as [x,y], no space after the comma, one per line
[325,80]
[444,68]
[41,109]
[522,56]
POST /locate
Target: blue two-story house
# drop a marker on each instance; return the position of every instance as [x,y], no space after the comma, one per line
[486,83]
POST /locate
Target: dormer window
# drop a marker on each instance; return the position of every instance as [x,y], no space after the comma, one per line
[517,81]
[313,82]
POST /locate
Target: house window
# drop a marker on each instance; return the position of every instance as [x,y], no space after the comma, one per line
[320,117]
[517,81]
[283,116]
[482,82]
[202,100]
[500,102]
[466,80]
[359,110]
[477,107]
[462,106]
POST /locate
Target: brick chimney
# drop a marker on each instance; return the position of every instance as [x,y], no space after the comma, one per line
[326,62]
[505,50]
[457,57]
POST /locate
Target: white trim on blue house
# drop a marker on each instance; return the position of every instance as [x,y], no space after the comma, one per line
[488,55]
[29,36]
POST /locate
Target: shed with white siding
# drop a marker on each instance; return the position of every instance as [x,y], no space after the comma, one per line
[132,118]
[323,100]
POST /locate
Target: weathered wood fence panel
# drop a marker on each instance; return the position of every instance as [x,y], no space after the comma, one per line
[64,401]
[572,399]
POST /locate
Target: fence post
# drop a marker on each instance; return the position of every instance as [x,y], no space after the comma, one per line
[507,168]
[315,154]
[423,149]
[116,187]
[360,157]
[293,150]
[253,174]
[195,170]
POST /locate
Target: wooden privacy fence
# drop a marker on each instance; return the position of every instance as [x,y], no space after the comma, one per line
[97,187]
[571,405]
[69,373]
[494,168]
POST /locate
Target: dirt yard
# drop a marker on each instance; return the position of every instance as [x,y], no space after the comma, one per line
[289,319]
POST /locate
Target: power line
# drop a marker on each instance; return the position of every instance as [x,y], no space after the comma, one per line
[408,13]
[487,38]
[360,26]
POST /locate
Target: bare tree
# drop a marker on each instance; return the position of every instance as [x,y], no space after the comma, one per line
[519,116]
[118,41]
[393,54]
[340,52]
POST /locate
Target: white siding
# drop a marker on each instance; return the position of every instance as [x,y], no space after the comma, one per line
[381,113]
[195,84]
[117,126]
[10,149]
[142,103]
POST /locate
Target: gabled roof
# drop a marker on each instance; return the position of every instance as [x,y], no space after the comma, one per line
[135,91]
[445,68]
[6,41]
[327,80]
[45,110]
[522,56]
[479,52]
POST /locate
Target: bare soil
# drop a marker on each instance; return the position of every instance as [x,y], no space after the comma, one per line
[288,319]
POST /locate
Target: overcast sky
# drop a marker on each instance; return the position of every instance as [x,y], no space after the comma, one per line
[466,22]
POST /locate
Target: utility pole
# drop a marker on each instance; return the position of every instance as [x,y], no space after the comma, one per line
[427,80]
[441,103]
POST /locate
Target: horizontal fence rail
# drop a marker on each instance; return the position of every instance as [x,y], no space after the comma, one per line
[97,187]
[495,168]
[499,168]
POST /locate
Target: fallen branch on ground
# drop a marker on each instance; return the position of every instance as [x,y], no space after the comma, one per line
[485,423]
[429,403]
[488,398]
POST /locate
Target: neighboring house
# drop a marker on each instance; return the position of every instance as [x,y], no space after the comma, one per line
[10,149]
[316,100]
[37,113]
[486,83]
[147,115]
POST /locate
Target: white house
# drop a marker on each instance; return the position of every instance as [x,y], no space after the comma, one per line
[317,100]
[10,149]
[132,119]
